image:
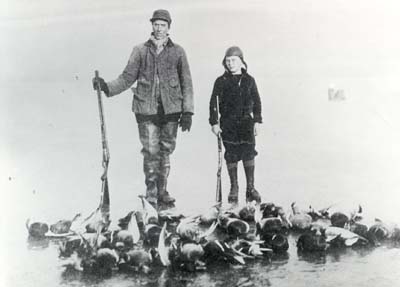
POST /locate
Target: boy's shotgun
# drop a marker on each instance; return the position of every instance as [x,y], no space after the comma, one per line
[218,196]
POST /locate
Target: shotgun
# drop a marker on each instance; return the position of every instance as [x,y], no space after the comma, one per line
[218,196]
[105,195]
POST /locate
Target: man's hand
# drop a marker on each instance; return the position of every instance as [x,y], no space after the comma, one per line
[99,82]
[216,129]
[256,129]
[186,122]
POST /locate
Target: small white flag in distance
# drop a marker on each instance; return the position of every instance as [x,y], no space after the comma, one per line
[336,95]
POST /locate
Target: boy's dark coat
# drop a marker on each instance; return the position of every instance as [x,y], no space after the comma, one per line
[235,102]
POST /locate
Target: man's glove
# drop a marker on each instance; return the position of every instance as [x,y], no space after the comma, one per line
[186,121]
[100,82]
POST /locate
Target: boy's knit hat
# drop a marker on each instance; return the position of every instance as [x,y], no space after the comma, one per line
[234,51]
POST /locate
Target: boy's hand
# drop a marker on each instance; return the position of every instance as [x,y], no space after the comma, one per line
[256,129]
[216,129]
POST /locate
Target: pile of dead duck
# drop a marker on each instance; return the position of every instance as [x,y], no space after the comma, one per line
[145,239]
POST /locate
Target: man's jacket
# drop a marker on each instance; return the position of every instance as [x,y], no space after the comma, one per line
[175,81]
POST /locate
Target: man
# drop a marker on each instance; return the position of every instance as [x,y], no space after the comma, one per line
[163,99]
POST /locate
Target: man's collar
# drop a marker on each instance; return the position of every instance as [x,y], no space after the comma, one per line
[169,42]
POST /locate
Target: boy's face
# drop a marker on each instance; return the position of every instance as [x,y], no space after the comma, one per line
[160,29]
[234,64]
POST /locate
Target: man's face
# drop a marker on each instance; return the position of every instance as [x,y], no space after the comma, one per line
[234,64]
[160,29]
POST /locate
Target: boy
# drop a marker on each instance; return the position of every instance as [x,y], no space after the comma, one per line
[240,108]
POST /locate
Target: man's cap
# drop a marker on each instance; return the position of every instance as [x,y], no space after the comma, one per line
[161,14]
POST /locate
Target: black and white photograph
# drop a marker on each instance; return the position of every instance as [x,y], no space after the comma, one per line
[199,143]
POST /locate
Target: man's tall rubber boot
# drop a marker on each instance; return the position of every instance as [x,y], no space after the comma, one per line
[151,177]
[164,199]
[251,192]
[234,192]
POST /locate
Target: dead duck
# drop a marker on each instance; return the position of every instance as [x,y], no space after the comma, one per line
[128,237]
[309,242]
[340,237]
[73,263]
[36,229]
[188,229]
[270,229]
[319,214]
[70,246]
[251,248]
[191,256]
[339,219]
[106,257]
[150,215]
[123,240]
[83,244]
[135,260]
[79,249]
[211,215]
[268,209]
[313,240]
[172,216]
[342,220]
[360,229]
[152,234]
[102,263]
[356,215]
[246,213]
[378,232]
[163,250]
[381,232]
[269,222]
[187,256]
[99,219]
[395,236]
[298,219]
[270,225]
[96,222]
[124,221]
[63,226]
[277,242]
[216,252]
[133,228]
[191,252]
[234,227]
[97,240]
[354,224]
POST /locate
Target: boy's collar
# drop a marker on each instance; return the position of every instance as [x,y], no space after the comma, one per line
[244,71]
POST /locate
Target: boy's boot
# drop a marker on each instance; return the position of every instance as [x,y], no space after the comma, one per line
[251,192]
[233,194]
[164,199]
